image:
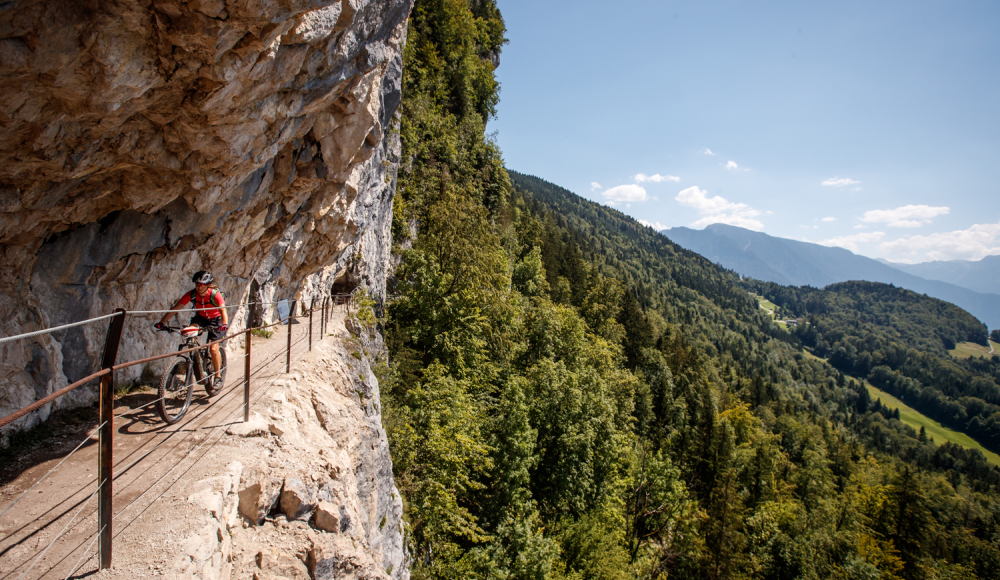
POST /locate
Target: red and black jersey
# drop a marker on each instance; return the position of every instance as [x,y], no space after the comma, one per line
[213,300]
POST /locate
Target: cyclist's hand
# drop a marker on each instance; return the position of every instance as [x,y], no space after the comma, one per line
[223,327]
[159,326]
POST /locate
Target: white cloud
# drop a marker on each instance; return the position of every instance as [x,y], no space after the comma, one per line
[624,193]
[975,243]
[719,210]
[594,186]
[655,225]
[851,242]
[828,219]
[907,216]
[656,178]
[732,165]
[708,151]
[840,181]
[860,227]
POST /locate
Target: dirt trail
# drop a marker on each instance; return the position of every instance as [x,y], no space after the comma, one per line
[153,463]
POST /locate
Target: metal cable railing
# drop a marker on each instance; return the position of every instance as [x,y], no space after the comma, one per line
[56,328]
[20,497]
[109,366]
[142,312]
[63,531]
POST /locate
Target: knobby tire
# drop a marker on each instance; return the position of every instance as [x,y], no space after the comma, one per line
[176,387]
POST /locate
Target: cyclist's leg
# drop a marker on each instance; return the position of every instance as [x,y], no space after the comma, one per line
[212,334]
[212,325]
[216,357]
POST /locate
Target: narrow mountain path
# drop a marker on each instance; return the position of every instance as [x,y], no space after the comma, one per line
[153,463]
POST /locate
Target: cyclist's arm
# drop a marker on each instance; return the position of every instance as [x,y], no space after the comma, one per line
[184,300]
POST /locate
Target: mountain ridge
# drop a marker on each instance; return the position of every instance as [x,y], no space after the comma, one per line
[795,263]
[979,275]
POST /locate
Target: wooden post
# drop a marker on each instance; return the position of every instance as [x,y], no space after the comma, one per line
[311,304]
[105,458]
[246,382]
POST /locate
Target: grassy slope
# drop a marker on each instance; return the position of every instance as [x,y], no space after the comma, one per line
[969,349]
[934,429]
[770,307]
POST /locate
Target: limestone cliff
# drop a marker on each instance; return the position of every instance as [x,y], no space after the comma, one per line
[141,141]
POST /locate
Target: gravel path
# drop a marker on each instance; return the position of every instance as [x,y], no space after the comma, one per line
[153,464]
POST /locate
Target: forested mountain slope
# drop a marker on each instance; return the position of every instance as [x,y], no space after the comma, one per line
[898,340]
[795,263]
[570,395]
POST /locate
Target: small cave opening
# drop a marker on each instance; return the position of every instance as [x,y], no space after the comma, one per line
[343,286]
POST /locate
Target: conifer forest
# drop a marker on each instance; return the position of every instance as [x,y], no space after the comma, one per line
[568,394]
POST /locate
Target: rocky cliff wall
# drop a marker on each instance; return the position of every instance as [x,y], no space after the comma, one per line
[142,140]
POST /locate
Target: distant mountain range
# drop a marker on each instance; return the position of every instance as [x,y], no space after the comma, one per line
[795,263]
[981,276]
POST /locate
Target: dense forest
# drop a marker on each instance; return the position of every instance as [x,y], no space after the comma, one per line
[899,340]
[570,395]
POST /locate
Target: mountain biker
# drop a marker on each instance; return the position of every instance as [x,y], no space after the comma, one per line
[215,319]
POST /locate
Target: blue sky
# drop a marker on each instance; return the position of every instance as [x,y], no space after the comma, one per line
[873,126]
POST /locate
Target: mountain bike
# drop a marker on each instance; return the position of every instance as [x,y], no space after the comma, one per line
[176,384]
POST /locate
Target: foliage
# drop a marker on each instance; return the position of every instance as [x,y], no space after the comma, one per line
[899,341]
[571,395]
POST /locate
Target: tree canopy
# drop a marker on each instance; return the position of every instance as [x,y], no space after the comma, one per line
[571,395]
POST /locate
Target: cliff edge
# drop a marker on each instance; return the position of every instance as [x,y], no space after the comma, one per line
[142,140]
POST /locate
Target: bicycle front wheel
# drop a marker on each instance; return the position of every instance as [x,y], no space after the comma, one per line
[175,391]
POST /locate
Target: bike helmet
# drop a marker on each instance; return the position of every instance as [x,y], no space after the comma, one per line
[202,277]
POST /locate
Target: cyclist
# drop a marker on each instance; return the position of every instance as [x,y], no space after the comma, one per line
[215,319]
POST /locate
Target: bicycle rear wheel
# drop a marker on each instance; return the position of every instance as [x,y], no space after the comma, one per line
[210,381]
[175,391]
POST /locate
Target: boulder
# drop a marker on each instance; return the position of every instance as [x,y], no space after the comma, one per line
[335,557]
[281,564]
[298,501]
[259,497]
[327,517]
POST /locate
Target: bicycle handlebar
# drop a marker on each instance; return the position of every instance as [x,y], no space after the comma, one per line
[201,329]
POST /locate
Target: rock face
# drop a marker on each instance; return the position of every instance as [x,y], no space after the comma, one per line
[142,140]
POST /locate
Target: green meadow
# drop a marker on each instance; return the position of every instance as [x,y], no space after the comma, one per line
[934,429]
[970,349]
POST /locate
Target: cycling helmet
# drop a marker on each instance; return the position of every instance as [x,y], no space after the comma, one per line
[202,277]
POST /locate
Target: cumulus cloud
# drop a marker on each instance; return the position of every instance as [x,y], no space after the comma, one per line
[828,219]
[975,243]
[732,165]
[708,151]
[656,178]
[851,242]
[907,216]
[624,193]
[594,186]
[840,182]
[655,225]
[718,210]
